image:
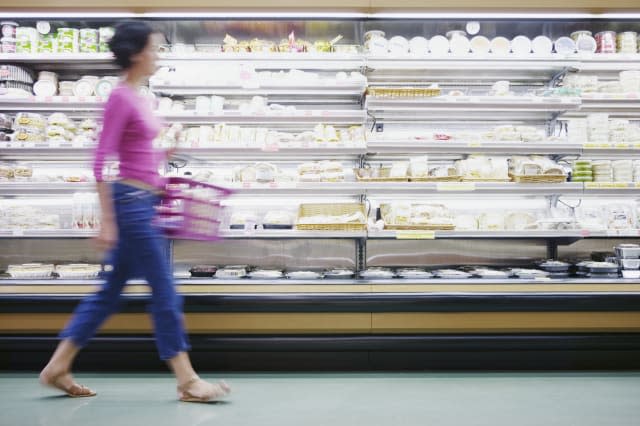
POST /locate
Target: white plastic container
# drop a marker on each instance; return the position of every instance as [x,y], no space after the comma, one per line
[439,45]
[542,46]
[500,46]
[521,46]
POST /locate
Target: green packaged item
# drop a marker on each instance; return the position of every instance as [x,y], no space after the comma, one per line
[88,47]
[104,36]
[67,40]
[581,179]
[47,44]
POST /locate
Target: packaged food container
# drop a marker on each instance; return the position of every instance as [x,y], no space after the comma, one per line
[628,251]
[627,42]
[339,274]
[105,34]
[521,46]
[8,44]
[6,171]
[9,29]
[413,273]
[542,46]
[83,87]
[377,45]
[629,263]
[66,88]
[6,123]
[89,40]
[30,119]
[373,33]
[22,172]
[203,271]
[419,46]
[68,40]
[439,45]
[398,45]
[606,42]
[585,43]
[500,46]
[26,134]
[266,274]
[581,33]
[209,48]
[303,275]
[45,88]
[27,40]
[458,42]
[480,45]
[47,44]
[377,273]
[565,46]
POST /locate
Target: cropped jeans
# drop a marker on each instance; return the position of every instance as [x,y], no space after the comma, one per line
[140,251]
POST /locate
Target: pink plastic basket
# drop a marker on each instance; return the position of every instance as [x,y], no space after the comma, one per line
[191,210]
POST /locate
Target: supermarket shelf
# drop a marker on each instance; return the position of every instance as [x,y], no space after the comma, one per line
[308,287]
[403,69]
[63,61]
[90,104]
[272,61]
[288,118]
[44,188]
[304,153]
[564,236]
[46,152]
[608,150]
[319,93]
[448,147]
[454,188]
[55,233]
[608,66]
[623,108]
[612,188]
[293,234]
[469,108]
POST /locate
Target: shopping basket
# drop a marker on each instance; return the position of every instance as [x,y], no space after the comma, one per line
[191,210]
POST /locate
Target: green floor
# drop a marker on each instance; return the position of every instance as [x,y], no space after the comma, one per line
[425,399]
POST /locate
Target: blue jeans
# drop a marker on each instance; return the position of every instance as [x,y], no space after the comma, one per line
[141,250]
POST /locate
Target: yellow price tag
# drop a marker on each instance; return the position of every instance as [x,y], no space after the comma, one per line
[596,145]
[456,186]
[474,144]
[416,235]
[636,146]
[621,146]
[637,185]
[591,185]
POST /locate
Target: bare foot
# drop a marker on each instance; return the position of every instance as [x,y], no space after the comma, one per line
[64,381]
[198,390]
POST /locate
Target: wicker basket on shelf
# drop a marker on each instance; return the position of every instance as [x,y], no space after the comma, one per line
[383,176]
[430,227]
[539,178]
[307,210]
[455,178]
[404,92]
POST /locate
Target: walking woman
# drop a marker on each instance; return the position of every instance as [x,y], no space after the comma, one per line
[126,229]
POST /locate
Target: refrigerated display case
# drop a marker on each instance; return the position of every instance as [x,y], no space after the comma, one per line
[396,177]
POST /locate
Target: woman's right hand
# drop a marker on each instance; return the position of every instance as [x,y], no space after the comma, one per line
[108,235]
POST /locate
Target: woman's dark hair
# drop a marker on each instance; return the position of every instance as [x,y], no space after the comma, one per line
[130,38]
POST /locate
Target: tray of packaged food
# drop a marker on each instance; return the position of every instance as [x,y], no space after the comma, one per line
[304,275]
[232,272]
[203,271]
[628,251]
[413,273]
[339,274]
[376,274]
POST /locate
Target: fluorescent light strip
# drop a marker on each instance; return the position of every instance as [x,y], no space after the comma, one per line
[319,15]
[490,16]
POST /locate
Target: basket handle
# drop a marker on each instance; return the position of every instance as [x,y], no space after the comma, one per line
[190,182]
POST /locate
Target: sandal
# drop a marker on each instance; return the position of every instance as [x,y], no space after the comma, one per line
[74,391]
[215,392]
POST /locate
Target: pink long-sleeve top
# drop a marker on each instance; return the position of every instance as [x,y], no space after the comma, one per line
[128,131]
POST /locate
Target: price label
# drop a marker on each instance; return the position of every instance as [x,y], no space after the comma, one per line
[636,146]
[542,279]
[474,145]
[65,99]
[29,145]
[621,146]
[456,186]
[591,185]
[48,99]
[82,99]
[271,147]
[585,233]
[415,235]
[273,185]
[246,184]
[54,144]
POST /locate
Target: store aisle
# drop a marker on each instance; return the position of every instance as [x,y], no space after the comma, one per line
[336,399]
